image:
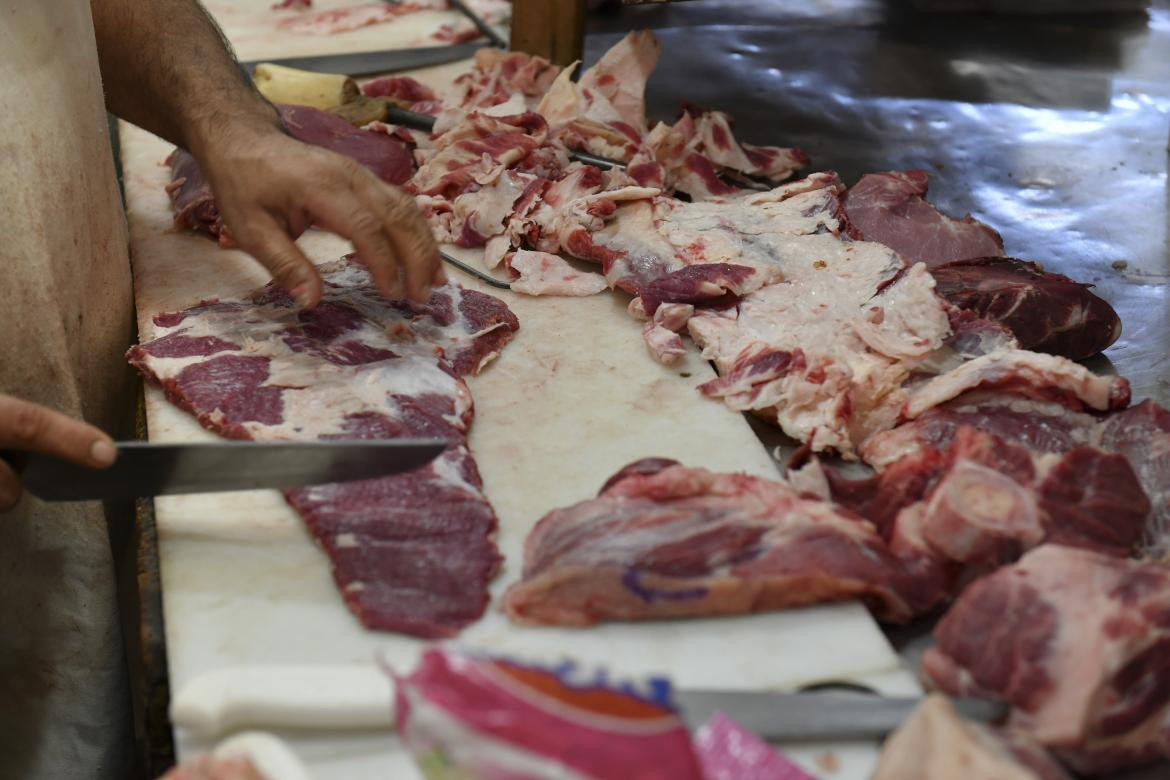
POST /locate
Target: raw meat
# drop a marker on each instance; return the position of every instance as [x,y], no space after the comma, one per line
[1078,643]
[1026,374]
[663,540]
[695,153]
[977,502]
[192,198]
[293,5]
[891,208]
[410,553]
[540,273]
[385,155]
[496,78]
[1046,312]
[404,88]
[477,153]
[1140,433]
[832,338]
[936,744]
[338,20]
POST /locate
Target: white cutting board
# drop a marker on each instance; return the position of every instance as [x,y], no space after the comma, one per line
[573,398]
[252,28]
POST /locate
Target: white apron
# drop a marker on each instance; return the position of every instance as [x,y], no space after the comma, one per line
[65,320]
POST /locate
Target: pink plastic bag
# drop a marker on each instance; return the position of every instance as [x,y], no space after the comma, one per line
[728,751]
[469,716]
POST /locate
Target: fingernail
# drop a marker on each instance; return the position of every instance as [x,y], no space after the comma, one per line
[102,452]
[300,294]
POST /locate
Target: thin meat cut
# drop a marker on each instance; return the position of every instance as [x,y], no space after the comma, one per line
[891,208]
[384,155]
[1078,643]
[411,553]
[1046,312]
[663,540]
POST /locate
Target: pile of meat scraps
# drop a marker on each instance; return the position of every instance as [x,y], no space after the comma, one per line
[835,313]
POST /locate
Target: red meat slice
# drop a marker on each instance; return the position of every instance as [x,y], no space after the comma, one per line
[413,552]
[1045,312]
[891,208]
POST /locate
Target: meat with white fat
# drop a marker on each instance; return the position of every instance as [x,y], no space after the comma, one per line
[1078,643]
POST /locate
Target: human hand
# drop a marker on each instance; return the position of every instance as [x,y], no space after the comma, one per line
[206,768]
[270,187]
[31,427]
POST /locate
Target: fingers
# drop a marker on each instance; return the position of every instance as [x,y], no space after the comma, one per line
[353,212]
[32,427]
[10,489]
[269,242]
[413,243]
[388,231]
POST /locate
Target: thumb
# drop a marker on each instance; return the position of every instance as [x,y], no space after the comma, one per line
[269,243]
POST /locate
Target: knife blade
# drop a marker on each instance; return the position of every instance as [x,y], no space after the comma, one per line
[485,29]
[145,469]
[817,716]
[365,63]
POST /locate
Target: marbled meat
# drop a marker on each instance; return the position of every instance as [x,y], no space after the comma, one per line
[1078,643]
[663,540]
[411,553]
[1140,433]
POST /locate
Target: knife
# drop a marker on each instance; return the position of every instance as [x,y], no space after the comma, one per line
[144,469]
[349,697]
[485,29]
[783,717]
[365,63]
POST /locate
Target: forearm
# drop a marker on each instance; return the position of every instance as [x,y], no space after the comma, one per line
[166,67]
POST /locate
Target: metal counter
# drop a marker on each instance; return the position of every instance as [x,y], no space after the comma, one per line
[1054,130]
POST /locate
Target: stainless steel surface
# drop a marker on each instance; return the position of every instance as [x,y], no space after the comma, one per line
[367,63]
[783,717]
[143,469]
